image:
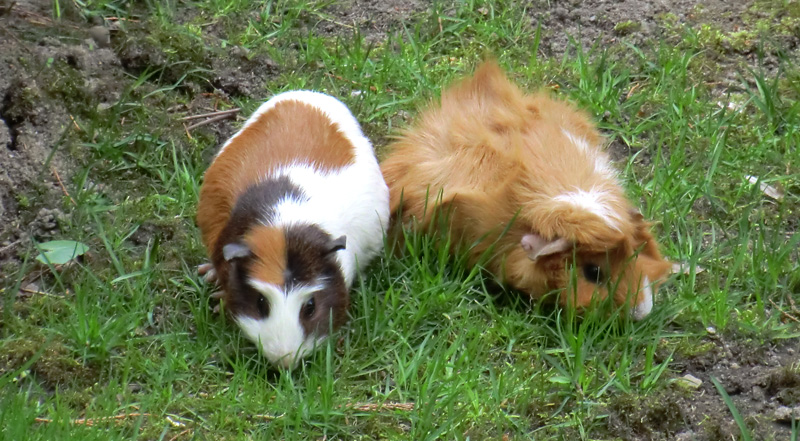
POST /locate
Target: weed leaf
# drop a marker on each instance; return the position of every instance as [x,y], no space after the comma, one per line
[59,252]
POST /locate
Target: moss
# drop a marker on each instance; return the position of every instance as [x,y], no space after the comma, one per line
[23,201]
[629,417]
[67,85]
[21,101]
[627,27]
[690,349]
[55,366]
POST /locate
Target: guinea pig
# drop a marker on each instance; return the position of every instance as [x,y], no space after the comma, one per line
[292,205]
[525,175]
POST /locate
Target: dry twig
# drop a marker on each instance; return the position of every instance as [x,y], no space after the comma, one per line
[180,434]
[64,189]
[10,246]
[76,123]
[208,121]
[784,313]
[633,89]
[122,19]
[36,291]
[92,421]
[376,407]
[794,307]
[206,115]
[269,417]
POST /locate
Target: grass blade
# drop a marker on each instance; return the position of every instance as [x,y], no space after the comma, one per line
[735,412]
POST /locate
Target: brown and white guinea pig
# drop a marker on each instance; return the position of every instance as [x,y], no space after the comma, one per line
[290,207]
[490,154]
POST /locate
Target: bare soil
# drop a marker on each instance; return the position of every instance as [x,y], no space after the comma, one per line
[52,71]
[756,375]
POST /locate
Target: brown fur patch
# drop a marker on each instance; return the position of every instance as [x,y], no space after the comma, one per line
[268,247]
[310,259]
[497,155]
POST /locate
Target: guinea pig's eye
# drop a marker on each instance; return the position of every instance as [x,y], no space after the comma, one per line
[263,306]
[309,308]
[592,273]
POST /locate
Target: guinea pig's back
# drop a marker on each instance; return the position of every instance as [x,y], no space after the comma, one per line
[308,136]
[351,199]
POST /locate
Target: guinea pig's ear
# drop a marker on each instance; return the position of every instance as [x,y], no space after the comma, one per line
[235,250]
[536,246]
[636,215]
[338,244]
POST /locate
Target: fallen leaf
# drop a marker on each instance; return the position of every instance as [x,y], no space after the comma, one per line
[686,268]
[769,190]
[689,381]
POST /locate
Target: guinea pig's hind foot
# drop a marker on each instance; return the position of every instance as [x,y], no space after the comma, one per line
[208,272]
[216,295]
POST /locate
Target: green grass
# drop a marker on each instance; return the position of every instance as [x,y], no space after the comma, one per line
[129,330]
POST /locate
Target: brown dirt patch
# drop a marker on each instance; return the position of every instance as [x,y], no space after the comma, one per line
[762,379]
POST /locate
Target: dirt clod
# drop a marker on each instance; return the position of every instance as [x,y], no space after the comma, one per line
[784,386]
[786,414]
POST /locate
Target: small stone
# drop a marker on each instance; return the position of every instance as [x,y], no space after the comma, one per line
[689,381]
[101,36]
[786,414]
[685,436]
[735,365]
[758,394]
[239,51]
[711,330]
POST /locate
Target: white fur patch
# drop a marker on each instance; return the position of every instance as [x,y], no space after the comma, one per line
[280,334]
[599,159]
[602,166]
[643,308]
[594,202]
[578,142]
[353,202]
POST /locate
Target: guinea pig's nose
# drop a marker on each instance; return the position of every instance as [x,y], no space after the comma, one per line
[286,362]
[645,305]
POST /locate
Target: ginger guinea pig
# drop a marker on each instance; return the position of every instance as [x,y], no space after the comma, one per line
[289,208]
[489,155]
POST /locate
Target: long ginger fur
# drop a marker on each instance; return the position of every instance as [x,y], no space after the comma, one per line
[490,154]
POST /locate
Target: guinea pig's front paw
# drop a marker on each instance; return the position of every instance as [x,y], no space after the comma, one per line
[208,272]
